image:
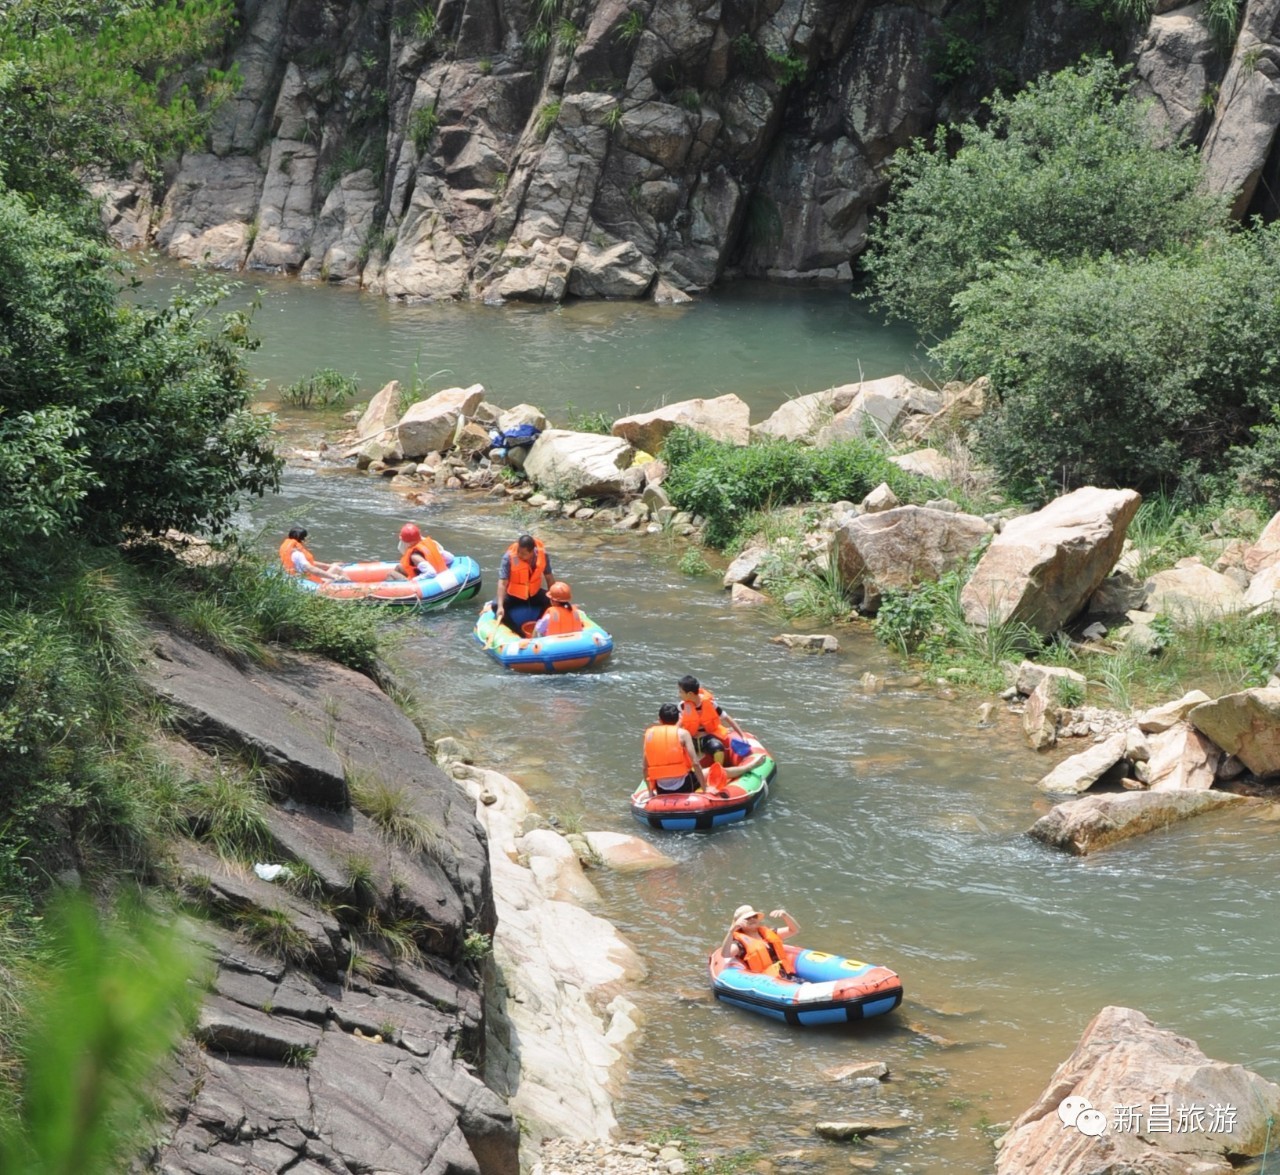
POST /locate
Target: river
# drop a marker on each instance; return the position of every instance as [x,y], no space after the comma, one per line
[896,829]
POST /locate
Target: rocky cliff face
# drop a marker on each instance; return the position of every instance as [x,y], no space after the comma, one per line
[542,149]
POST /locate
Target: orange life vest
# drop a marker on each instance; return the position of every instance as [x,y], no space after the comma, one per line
[524,581]
[429,549]
[703,718]
[664,755]
[563,619]
[287,549]
[763,952]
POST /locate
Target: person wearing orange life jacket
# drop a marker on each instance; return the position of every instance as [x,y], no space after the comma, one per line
[759,948]
[670,761]
[563,617]
[705,721]
[297,560]
[524,577]
[419,554]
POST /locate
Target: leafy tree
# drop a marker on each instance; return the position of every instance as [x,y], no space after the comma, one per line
[1065,169]
[1125,370]
[114,419]
[94,85]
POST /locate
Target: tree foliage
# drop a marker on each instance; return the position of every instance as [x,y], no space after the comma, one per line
[99,85]
[114,419]
[1137,371]
[117,998]
[1065,169]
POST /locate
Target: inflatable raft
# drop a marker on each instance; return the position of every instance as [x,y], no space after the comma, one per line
[543,654]
[701,811]
[368,581]
[827,990]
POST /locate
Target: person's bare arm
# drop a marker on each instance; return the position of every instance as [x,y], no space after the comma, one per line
[791,924]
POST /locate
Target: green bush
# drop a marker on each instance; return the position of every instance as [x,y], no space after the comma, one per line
[724,482]
[323,388]
[1142,372]
[114,419]
[1066,169]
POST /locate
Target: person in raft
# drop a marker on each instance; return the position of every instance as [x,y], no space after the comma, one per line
[708,724]
[299,561]
[563,617]
[420,554]
[524,575]
[758,947]
[670,760]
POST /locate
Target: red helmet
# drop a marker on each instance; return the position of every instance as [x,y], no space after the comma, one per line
[559,591]
[409,533]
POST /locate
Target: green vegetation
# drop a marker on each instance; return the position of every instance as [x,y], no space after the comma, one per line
[391,809]
[422,127]
[114,420]
[631,27]
[693,564]
[1065,170]
[92,1033]
[788,68]
[928,625]
[1161,371]
[1128,335]
[584,421]
[92,85]
[476,947]
[547,117]
[323,388]
[723,483]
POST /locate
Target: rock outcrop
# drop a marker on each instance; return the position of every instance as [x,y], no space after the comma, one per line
[1246,725]
[345,1024]
[1091,823]
[726,418]
[507,150]
[1043,567]
[1216,1113]
[902,548]
[579,464]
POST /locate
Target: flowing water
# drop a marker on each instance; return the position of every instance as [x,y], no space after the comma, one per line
[896,828]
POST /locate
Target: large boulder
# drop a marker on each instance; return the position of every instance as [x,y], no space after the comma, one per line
[1091,823]
[1246,725]
[1266,550]
[1161,718]
[726,418]
[578,464]
[1189,591]
[804,417]
[382,412]
[1181,759]
[429,425]
[1263,593]
[877,408]
[1042,567]
[1124,1061]
[1080,772]
[1236,148]
[904,547]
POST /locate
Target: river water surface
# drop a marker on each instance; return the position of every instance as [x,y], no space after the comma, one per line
[896,828]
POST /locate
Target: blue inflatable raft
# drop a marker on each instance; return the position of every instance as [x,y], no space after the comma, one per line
[562,653]
[827,989]
[705,810]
